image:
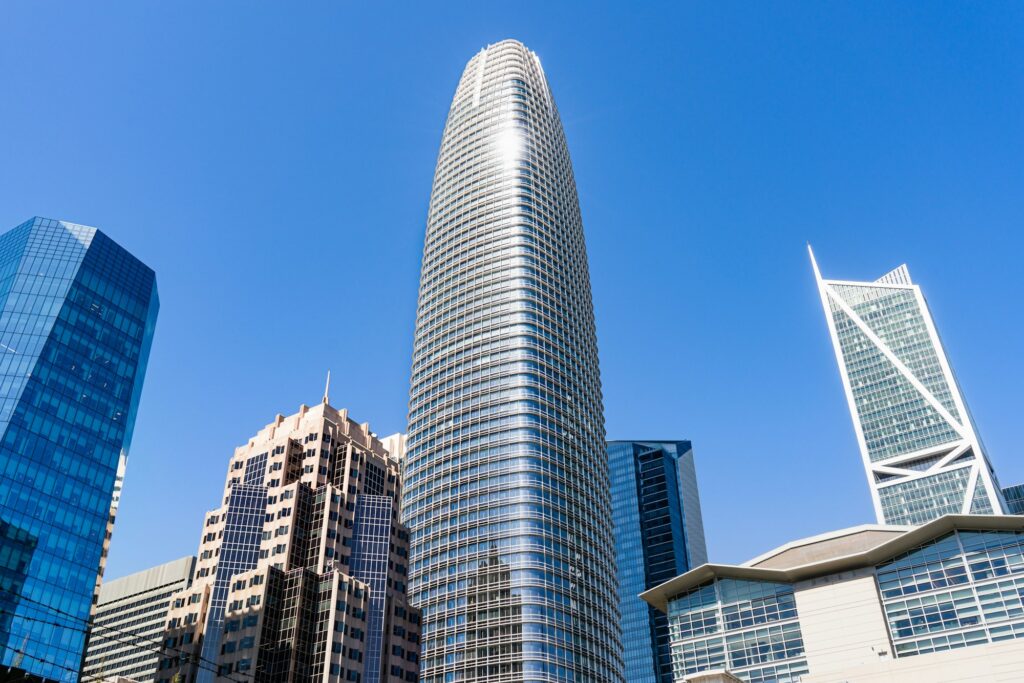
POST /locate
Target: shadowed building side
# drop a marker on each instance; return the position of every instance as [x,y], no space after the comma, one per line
[659,533]
[137,606]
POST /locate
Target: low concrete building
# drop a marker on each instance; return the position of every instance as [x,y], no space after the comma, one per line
[870,604]
[130,610]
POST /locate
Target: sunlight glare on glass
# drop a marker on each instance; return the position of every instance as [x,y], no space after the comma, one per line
[510,146]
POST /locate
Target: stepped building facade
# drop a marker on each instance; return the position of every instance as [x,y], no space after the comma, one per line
[302,570]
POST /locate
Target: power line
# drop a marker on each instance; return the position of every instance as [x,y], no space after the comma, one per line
[156,646]
[41,661]
[93,676]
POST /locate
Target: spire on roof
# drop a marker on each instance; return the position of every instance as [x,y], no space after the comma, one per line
[814,263]
[327,389]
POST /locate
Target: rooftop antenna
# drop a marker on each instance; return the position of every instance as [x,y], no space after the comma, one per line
[327,388]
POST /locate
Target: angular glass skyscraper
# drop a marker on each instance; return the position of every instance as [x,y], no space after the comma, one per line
[507,489]
[76,322]
[659,534]
[920,447]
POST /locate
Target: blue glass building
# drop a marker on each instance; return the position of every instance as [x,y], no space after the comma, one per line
[369,563]
[76,322]
[659,534]
[1014,496]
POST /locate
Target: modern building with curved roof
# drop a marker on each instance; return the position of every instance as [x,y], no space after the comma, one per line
[871,604]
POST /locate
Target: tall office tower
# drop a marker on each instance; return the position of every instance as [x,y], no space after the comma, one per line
[130,609]
[76,322]
[659,534]
[1014,497]
[506,489]
[920,447]
[302,570]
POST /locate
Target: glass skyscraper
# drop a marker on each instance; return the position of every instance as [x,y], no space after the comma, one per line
[659,534]
[1014,496]
[920,447]
[507,490]
[76,322]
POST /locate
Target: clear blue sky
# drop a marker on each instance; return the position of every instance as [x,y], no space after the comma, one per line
[272,162]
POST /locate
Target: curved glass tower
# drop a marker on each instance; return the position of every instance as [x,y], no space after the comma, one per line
[506,481]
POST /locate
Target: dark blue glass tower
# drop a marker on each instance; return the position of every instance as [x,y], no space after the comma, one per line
[76,321]
[1014,496]
[370,553]
[658,535]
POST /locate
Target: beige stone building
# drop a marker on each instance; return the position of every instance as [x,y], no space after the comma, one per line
[943,602]
[301,572]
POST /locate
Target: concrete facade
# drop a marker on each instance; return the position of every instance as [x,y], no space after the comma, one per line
[842,622]
[718,676]
[990,663]
[301,573]
[132,606]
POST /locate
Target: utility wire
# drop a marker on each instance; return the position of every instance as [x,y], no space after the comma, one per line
[94,676]
[26,675]
[157,646]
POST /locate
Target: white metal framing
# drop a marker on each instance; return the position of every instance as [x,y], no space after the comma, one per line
[896,467]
